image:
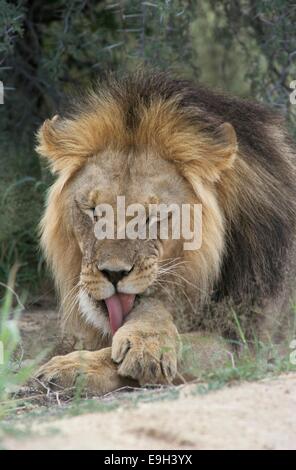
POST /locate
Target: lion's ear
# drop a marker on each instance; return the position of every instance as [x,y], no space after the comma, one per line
[224,146]
[66,143]
[213,151]
[48,138]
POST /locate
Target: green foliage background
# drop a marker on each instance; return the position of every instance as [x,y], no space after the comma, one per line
[246,47]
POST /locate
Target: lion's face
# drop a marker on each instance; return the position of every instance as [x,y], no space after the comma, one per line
[161,150]
[120,269]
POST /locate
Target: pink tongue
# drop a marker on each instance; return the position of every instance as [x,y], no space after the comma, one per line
[119,305]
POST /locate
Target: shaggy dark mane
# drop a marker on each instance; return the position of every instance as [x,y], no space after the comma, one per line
[260,229]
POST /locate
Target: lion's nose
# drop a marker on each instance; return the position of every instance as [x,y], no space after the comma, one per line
[114,276]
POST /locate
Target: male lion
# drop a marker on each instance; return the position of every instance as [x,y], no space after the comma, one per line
[132,302]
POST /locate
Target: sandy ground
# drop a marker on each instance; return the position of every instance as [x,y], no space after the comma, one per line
[259,415]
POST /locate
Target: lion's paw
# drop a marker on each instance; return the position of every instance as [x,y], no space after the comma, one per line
[150,359]
[94,372]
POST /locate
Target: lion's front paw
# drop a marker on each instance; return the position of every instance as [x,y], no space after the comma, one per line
[95,370]
[148,358]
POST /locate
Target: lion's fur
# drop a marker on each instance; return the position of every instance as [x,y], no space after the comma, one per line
[243,173]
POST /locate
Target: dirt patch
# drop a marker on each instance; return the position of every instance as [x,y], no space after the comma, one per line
[257,415]
[39,332]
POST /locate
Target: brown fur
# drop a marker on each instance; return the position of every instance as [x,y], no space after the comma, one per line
[231,155]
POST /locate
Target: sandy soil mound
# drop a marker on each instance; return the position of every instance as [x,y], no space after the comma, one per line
[257,415]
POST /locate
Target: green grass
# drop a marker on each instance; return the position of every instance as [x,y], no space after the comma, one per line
[12,373]
[254,360]
[265,362]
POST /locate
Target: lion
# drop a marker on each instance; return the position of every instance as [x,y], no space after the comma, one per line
[132,304]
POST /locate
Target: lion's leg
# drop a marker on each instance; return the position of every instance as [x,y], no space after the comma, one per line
[146,347]
[201,353]
[96,371]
